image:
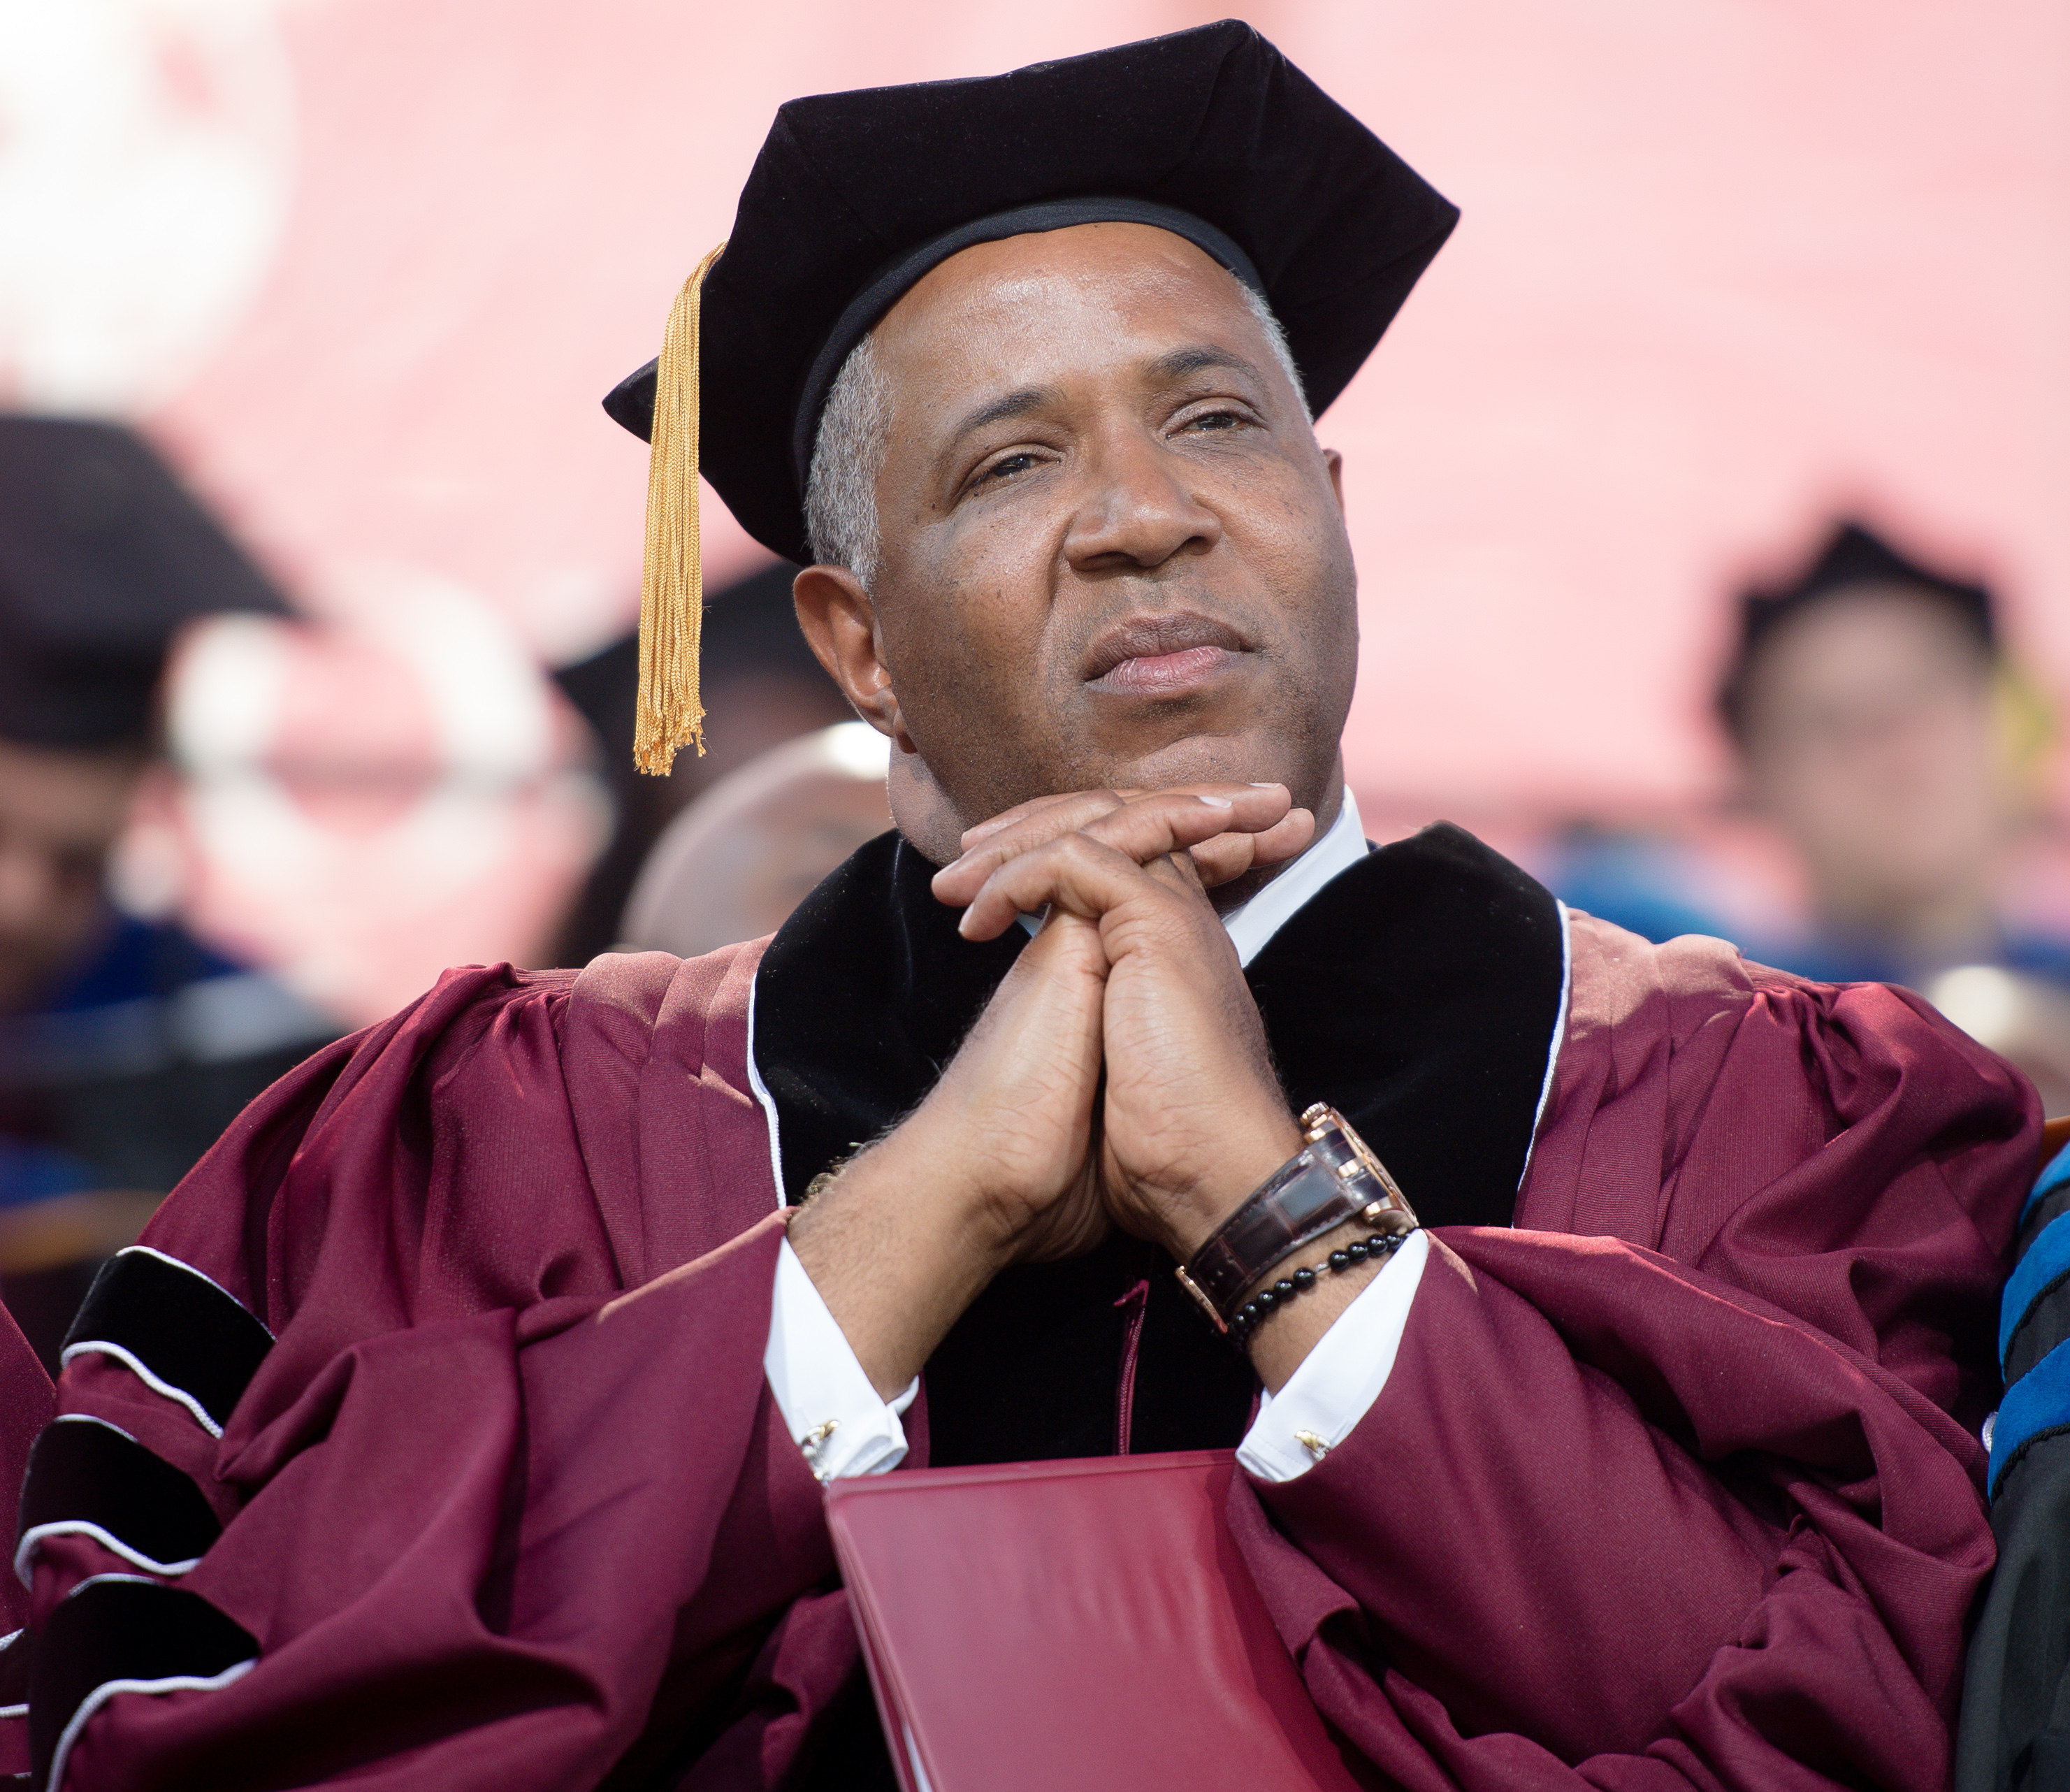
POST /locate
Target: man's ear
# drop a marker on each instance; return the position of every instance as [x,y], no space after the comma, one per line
[840,626]
[1335,462]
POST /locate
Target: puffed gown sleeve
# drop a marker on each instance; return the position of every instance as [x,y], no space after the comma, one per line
[1677,1484]
[424,1441]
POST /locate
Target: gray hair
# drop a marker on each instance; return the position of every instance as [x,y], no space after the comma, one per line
[855,435]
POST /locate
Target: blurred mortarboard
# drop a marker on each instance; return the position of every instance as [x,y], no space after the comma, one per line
[1852,557]
[1210,133]
[104,555]
[749,630]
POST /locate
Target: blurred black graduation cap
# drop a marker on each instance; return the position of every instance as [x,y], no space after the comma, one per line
[104,555]
[751,632]
[1851,557]
[764,685]
[1210,132]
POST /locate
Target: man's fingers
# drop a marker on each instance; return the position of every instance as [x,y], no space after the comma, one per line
[1020,829]
[1142,829]
[1145,828]
[1049,816]
[1088,875]
[1079,876]
[1169,822]
[1231,855]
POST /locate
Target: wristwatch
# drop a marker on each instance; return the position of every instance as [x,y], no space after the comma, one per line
[1333,1177]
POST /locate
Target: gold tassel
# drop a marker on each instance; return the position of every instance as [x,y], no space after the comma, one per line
[672,585]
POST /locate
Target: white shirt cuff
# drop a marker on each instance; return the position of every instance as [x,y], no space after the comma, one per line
[828,1406]
[1337,1383]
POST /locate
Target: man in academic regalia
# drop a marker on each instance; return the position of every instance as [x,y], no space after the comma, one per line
[464,1423]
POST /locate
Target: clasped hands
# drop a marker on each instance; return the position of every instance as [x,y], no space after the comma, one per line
[1118,1076]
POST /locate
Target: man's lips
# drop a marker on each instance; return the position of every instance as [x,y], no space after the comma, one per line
[1158,655]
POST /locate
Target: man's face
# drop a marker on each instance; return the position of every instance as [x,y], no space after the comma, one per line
[1872,740]
[59,813]
[1113,554]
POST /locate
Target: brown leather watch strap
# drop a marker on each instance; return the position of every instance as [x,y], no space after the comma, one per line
[1332,1179]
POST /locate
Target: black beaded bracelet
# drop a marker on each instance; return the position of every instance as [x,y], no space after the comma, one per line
[1270,1299]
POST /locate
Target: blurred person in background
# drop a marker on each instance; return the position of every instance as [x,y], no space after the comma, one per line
[126,1046]
[762,687]
[1880,728]
[734,865]
[1880,731]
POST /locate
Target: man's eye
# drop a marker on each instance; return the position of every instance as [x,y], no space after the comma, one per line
[1006,468]
[1214,420]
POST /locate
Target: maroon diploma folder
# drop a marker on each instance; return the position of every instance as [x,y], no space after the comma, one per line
[1035,1626]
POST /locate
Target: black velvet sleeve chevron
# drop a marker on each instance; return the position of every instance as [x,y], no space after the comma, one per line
[148,1636]
[86,1476]
[176,1328]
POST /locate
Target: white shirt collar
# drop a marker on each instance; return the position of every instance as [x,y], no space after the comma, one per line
[1252,923]
[1258,919]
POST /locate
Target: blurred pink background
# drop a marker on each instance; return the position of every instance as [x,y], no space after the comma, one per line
[365,268]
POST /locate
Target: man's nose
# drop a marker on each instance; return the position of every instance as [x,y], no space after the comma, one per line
[1139,511]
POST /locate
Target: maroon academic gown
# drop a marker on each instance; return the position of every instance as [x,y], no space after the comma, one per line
[1673,1484]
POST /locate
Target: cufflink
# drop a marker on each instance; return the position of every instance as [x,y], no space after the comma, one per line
[811,1444]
